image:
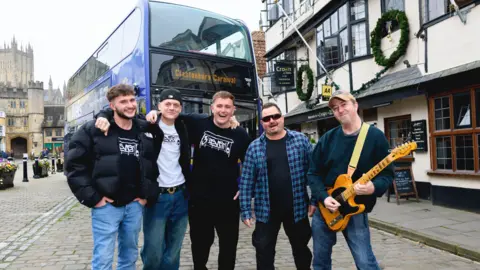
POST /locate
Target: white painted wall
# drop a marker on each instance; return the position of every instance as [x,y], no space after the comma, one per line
[451,43]
[273,36]
[319,5]
[293,101]
[417,108]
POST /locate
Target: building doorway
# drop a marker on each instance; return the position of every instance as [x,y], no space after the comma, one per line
[19,146]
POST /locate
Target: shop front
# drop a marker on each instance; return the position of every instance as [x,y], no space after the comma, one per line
[441,113]
[454,133]
[54,145]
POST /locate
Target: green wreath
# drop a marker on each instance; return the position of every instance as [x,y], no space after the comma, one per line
[302,96]
[376,37]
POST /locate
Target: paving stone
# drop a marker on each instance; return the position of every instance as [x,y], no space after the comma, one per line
[67,243]
[76,266]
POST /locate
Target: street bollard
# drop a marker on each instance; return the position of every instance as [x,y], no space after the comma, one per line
[25,173]
[36,171]
[59,165]
[53,165]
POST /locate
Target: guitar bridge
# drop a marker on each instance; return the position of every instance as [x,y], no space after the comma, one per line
[335,220]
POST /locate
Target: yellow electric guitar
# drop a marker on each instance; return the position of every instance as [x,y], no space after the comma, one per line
[344,193]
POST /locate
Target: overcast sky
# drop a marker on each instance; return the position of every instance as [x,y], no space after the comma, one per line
[64,33]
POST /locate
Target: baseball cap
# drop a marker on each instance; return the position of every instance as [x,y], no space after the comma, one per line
[170,93]
[342,95]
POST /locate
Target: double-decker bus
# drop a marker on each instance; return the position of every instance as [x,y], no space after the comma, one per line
[162,44]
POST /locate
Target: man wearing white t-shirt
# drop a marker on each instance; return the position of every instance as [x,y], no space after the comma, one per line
[165,223]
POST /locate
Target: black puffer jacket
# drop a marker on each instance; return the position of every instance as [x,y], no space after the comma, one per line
[92,165]
[158,136]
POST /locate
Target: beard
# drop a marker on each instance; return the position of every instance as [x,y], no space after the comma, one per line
[122,115]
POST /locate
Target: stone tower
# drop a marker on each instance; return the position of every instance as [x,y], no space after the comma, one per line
[16,64]
[35,117]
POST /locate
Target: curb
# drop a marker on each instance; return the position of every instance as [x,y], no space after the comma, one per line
[425,239]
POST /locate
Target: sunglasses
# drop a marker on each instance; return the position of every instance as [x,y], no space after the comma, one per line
[270,117]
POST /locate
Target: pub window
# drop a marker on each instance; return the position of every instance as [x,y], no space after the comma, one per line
[455,133]
[333,43]
[442,113]
[398,130]
[48,132]
[464,152]
[433,9]
[461,105]
[444,153]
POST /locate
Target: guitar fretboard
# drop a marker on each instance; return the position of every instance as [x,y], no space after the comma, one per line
[368,176]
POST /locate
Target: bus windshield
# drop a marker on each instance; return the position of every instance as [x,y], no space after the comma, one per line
[197,31]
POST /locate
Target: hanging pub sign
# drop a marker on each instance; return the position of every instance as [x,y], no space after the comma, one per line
[326,92]
[284,74]
[419,134]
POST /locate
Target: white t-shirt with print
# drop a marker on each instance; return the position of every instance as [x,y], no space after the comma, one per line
[168,160]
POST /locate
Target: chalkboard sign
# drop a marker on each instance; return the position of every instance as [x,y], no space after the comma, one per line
[419,134]
[403,183]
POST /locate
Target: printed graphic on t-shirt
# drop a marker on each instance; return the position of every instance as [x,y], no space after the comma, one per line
[216,142]
[171,139]
[128,147]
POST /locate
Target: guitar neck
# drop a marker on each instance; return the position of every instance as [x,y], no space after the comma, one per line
[368,176]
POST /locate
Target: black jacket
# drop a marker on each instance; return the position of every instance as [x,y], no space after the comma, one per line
[158,136]
[92,165]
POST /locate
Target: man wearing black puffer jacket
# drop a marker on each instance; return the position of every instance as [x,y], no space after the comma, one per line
[115,176]
[165,223]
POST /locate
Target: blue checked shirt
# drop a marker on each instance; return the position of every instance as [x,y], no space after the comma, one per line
[255,177]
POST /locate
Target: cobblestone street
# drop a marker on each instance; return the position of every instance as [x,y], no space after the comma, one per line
[43,227]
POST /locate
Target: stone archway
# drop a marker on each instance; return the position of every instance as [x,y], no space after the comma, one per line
[18,146]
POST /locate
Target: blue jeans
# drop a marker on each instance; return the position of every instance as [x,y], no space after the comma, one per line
[164,227]
[109,221]
[357,235]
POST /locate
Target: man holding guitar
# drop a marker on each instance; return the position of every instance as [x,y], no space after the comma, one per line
[334,166]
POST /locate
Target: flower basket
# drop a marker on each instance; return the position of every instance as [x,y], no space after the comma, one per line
[7,174]
[44,165]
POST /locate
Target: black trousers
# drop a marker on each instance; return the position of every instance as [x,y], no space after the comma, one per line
[206,218]
[265,235]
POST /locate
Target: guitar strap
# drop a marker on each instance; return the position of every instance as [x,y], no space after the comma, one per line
[358,149]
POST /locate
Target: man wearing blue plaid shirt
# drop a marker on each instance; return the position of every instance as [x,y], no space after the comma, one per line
[275,172]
